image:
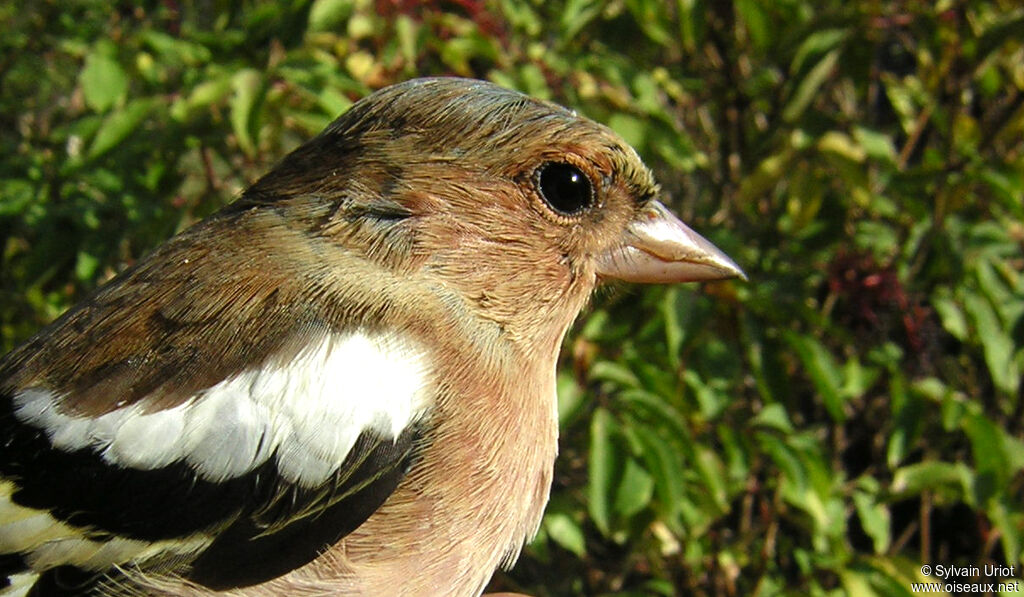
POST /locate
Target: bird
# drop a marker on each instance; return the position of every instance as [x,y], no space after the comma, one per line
[343,382]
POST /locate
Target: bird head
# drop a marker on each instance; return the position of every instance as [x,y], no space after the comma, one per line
[518,206]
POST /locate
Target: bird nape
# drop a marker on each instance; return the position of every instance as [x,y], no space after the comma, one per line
[343,382]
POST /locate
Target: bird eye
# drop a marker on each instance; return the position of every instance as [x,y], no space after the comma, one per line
[564,188]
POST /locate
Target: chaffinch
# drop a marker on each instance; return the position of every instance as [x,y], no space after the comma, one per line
[344,382]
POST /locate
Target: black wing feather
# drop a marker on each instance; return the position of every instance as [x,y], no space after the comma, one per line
[264,526]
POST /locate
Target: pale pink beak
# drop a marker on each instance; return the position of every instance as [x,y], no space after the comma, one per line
[659,248]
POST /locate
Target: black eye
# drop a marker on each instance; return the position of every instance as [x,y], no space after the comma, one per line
[564,188]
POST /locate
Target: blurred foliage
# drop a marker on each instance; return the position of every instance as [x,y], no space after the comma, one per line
[851,413]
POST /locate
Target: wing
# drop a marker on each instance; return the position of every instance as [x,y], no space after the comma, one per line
[214,412]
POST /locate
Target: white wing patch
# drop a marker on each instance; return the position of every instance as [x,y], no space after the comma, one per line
[306,413]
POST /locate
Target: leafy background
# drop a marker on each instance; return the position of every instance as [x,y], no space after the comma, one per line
[853,412]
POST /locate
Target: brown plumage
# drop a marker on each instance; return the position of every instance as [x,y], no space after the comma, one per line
[449,221]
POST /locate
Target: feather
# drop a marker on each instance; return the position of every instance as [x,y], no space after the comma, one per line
[343,383]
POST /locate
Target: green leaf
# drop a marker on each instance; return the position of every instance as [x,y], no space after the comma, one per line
[903,95]
[1000,32]
[946,478]
[521,15]
[1010,521]
[328,15]
[674,332]
[907,410]
[764,356]
[814,46]
[86,266]
[808,86]
[118,125]
[649,16]
[842,145]
[602,466]
[823,371]
[892,575]
[711,402]
[617,373]
[676,148]
[570,396]
[362,25]
[953,319]
[991,461]
[666,468]
[874,518]
[405,32]
[203,95]
[564,531]
[15,195]
[996,344]
[577,14]
[767,174]
[953,407]
[784,459]
[993,286]
[856,583]
[632,129]
[655,411]
[691,19]
[712,475]
[248,93]
[758,23]
[877,145]
[103,81]
[647,95]
[773,416]
[176,50]
[1008,185]
[333,102]
[534,81]
[635,490]
[857,379]
[458,52]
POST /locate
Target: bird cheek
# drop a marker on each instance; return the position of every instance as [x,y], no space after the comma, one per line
[582,273]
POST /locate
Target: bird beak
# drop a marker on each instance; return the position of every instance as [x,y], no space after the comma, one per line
[658,248]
